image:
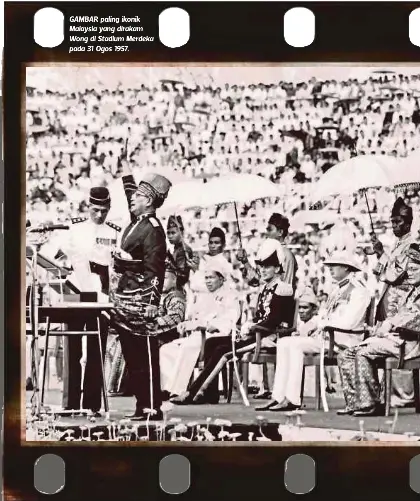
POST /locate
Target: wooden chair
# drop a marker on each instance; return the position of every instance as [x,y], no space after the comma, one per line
[260,355]
[330,359]
[392,363]
[227,371]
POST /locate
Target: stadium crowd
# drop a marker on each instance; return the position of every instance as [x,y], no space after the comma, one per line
[290,133]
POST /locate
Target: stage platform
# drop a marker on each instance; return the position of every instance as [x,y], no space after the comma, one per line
[244,420]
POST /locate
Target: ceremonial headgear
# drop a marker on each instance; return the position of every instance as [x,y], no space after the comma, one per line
[308,296]
[400,208]
[279,221]
[270,253]
[218,233]
[99,195]
[175,222]
[343,258]
[413,253]
[218,265]
[155,187]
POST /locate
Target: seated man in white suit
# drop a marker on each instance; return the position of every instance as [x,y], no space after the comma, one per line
[216,312]
[346,309]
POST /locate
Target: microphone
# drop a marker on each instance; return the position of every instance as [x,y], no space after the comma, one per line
[50,227]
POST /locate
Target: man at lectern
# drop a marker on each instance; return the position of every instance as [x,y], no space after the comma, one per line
[88,245]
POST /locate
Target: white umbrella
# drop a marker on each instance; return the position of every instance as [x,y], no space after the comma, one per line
[356,174]
[409,172]
[231,188]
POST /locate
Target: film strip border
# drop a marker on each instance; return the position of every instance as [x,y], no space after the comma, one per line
[230,32]
[220,33]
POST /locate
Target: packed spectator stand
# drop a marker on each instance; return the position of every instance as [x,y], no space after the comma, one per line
[289,131]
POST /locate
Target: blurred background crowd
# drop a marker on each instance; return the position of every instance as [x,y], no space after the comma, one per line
[289,125]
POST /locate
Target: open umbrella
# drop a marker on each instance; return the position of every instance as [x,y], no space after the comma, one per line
[409,171]
[231,188]
[357,174]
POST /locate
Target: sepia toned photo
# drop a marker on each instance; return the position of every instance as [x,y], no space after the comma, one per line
[225,253]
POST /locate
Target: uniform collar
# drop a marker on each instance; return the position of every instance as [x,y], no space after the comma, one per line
[343,283]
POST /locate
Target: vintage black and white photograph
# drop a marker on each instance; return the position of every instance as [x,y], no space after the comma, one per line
[222,253]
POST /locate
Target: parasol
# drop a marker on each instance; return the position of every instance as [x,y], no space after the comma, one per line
[409,172]
[358,174]
[228,189]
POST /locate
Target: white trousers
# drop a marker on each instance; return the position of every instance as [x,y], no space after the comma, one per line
[177,361]
[289,366]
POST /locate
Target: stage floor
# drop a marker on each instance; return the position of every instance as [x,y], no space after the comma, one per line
[237,413]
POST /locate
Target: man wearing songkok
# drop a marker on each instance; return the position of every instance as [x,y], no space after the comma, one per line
[358,365]
[216,313]
[277,229]
[182,253]
[136,285]
[88,246]
[275,308]
[346,309]
[391,272]
[216,245]
[171,312]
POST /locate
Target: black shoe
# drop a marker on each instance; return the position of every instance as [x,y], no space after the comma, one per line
[265,395]
[284,407]
[373,410]
[345,412]
[267,407]
[166,396]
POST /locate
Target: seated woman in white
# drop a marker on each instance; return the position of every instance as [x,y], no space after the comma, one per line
[216,312]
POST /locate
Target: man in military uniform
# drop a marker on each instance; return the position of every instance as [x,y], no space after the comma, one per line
[277,229]
[358,365]
[346,309]
[88,246]
[135,289]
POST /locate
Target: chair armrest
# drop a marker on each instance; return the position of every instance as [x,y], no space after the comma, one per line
[285,331]
[330,329]
[408,334]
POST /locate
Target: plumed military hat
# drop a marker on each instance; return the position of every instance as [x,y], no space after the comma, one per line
[270,253]
[99,195]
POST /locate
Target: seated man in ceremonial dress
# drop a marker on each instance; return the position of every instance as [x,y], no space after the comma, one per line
[346,309]
[358,365]
[216,313]
[135,289]
[391,272]
[275,308]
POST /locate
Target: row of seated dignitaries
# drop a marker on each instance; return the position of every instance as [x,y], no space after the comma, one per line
[346,309]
